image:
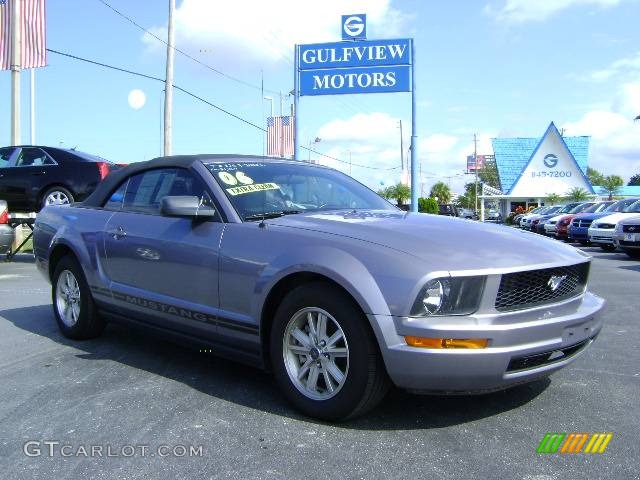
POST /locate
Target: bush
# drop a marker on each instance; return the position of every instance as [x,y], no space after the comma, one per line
[428,205]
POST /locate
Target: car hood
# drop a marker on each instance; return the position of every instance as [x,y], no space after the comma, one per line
[615,217]
[592,216]
[446,243]
[635,220]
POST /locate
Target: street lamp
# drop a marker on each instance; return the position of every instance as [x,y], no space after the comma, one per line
[270,100]
[317,140]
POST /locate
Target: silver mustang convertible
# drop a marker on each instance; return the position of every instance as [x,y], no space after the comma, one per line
[302,270]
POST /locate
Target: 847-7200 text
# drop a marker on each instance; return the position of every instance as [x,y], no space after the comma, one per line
[554,174]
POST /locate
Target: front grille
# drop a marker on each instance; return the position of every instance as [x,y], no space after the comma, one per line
[546,358]
[582,223]
[522,290]
[631,228]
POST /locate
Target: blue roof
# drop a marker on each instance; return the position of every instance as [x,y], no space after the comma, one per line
[626,191]
[513,155]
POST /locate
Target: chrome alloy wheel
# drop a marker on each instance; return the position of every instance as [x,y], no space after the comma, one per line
[57,198]
[316,353]
[68,298]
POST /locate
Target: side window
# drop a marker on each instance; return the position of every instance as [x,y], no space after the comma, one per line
[33,157]
[5,155]
[146,190]
[115,201]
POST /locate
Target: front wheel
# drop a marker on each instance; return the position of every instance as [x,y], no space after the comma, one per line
[324,356]
[607,247]
[632,253]
[73,305]
[57,196]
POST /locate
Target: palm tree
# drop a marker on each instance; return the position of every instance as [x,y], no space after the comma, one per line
[577,194]
[442,192]
[553,198]
[400,192]
[612,184]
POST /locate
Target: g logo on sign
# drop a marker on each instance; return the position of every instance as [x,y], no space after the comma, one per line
[550,160]
[354,27]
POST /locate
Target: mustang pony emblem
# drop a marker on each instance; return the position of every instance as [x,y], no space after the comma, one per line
[555,281]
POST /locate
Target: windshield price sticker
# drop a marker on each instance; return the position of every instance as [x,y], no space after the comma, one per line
[256,187]
[217,167]
[231,179]
[554,174]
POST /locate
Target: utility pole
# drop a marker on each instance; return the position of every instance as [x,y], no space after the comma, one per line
[401,149]
[168,95]
[475,167]
[16,49]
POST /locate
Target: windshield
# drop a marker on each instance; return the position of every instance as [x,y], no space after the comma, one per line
[597,207]
[259,188]
[633,208]
[581,208]
[621,205]
[554,209]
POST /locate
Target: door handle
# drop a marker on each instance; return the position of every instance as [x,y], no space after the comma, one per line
[117,233]
[37,174]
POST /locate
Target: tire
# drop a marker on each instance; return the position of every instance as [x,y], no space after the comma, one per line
[76,313]
[607,247]
[632,253]
[364,382]
[584,242]
[56,196]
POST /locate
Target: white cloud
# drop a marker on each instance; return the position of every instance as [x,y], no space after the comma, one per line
[623,66]
[267,31]
[615,138]
[520,11]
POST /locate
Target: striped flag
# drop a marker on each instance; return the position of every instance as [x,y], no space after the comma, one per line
[32,27]
[280,136]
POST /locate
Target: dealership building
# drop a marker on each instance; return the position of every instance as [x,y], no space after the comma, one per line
[531,169]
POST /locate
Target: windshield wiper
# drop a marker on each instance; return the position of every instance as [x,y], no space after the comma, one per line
[261,216]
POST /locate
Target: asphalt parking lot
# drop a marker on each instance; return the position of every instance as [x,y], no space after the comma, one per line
[129,389]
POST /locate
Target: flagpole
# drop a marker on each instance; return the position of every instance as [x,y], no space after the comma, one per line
[16,49]
[32,116]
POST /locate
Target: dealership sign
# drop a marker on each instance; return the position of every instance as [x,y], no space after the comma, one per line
[363,66]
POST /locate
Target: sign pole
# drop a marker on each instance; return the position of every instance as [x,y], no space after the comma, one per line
[168,89]
[414,163]
[296,110]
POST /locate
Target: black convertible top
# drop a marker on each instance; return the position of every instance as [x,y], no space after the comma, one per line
[109,184]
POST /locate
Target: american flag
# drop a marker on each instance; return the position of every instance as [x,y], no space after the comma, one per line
[32,27]
[280,136]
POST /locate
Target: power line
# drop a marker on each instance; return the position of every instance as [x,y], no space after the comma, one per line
[219,72]
[193,95]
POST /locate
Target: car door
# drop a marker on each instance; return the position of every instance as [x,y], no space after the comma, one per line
[7,159]
[162,269]
[25,176]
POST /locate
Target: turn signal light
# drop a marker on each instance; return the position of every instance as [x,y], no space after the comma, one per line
[446,342]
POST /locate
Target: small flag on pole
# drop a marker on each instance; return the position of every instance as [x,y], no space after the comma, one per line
[33,29]
[280,136]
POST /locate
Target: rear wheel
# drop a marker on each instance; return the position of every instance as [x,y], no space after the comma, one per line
[324,356]
[73,305]
[57,196]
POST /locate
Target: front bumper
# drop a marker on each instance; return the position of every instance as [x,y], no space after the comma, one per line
[516,341]
[622,240]
[601,235]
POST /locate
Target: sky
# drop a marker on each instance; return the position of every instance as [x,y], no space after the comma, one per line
[493,68]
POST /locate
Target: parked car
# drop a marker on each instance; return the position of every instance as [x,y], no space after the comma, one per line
[626,236]
[578,230]
[518,217]
[493,215]
[468,213]
[538,227]
[7,233]
[562,225]
[447,209]
[601,230]
[527,220]
[32,177]
[550,226]
[301,269]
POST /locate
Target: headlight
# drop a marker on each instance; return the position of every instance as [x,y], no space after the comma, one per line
[449,296]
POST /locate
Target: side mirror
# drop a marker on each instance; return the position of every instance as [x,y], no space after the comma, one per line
[187,206]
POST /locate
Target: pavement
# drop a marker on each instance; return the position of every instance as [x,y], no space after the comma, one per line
[128,390]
